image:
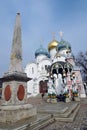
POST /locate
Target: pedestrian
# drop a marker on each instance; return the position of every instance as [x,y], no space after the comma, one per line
[42,95]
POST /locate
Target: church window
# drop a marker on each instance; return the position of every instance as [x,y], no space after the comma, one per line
[46,67]
[32,70]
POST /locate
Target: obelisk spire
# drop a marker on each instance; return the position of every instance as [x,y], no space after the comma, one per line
[16,53]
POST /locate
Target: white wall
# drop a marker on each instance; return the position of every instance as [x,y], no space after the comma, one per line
[37,74]
[31,70]
[40,57]
[53,52]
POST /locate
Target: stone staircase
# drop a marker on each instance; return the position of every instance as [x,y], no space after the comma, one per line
[36,125]
[46,117]
[68,116]
[41,122]
[49,113]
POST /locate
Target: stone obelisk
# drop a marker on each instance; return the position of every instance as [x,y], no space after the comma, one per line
[16,53]
[14,105]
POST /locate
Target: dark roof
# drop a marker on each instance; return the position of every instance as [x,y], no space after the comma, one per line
[15,77]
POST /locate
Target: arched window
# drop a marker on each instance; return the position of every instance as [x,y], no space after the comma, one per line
[32,70]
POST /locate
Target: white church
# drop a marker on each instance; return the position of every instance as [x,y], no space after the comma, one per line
[56,64]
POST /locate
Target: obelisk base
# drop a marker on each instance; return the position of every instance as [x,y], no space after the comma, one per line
[14,113]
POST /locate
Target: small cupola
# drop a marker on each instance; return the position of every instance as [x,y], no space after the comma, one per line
[41,51]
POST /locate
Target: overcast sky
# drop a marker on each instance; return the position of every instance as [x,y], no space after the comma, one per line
[39,19]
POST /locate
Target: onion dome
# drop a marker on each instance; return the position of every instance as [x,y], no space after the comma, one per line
[43,51]
[63,45]
[52,44]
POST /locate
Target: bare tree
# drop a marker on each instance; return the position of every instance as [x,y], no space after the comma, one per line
[81,60]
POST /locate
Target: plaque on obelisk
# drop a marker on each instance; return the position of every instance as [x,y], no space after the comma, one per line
[14,105]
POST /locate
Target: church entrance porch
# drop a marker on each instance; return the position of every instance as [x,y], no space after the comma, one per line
[60,68]
[63,81]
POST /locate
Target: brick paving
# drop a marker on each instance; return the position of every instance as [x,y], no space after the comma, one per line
[79,123]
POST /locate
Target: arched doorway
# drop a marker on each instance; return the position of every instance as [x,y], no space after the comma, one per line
[60,70]
[43,86]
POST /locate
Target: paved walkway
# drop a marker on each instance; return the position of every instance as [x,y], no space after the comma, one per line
[80,122]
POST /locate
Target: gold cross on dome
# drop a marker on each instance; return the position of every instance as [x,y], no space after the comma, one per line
[53,35]
[41,40]
[61,34]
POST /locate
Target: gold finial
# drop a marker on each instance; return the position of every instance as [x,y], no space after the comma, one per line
[61,34]
[53,35]
[41,42]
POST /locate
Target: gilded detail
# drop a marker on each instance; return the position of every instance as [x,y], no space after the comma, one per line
[52,44]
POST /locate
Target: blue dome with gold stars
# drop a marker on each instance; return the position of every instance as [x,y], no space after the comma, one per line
[43,51]
[63,45]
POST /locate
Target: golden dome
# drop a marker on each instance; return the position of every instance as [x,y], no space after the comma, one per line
[52,44]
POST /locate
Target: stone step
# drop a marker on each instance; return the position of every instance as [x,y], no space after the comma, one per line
[49,118]
[71,116]
[68,112]
[64,112]
[38,124]
[53,111]
[49,113]
[45,119]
